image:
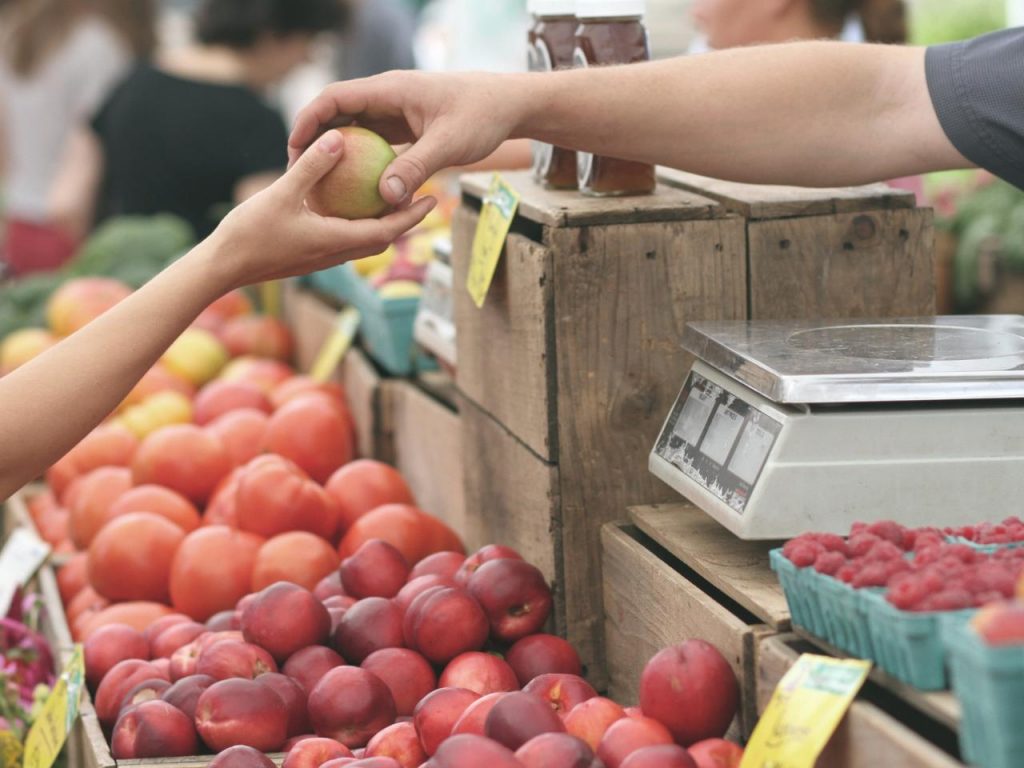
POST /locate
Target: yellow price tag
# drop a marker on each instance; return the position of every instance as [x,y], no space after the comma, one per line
[805,710]
[270,298]
[337,344]
[496,216]
[53,724]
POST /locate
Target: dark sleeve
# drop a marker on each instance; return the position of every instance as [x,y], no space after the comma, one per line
[977,87]
[264,146]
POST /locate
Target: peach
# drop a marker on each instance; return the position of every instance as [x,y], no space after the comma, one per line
[259,335]
[329,586]
[591,718]
[436,714]
[484,555]
[692,690]
[518,717]
[294,697]
[153,729]
[471,751]
[241,432]
[153,630]
[628,735]
[285,618]
[514,595]
[415,587]
[241,757]
[475,716]
[231,658]
[173,638]
[537,655]
[443,622]
[350,705]
[185,693]
[1000,623]
[225,621]
[212,638]
[660,756]
[108,646]
[562,692]
[312,753]
[399,742]
[556,750]
[406,673]
[444,564]
[237,711]
[184,661]
[369,625]
[309,665]
[343,762]
[716,753]
[147,690]
[122,677]
[376,569]
[220,397]
[479,672]
[350,190]
[163,667]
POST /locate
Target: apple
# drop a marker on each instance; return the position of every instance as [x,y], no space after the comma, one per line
[415,587]
[110,645]
[475,716]
[370,625]
[482,673]
[153,729]
[399,742]
[692,690]
[124,676]
[561,692]
[147,690]
[312,753]
[443,622]
[294,697]
[590,719]
[444,564]
[518,717]
[376,569]
[350,190]
[234,659]
[556,750]
[660,756]
[350,705]
[171,639]
[537,655]
[470,751]
[628,735]
[240,711]
[483,555]
[310,664]
[329,586]
[225,621]
[514,595]
[716,753]
[241,757]
[285,618]
[436,714]
[406,673]
[185,693]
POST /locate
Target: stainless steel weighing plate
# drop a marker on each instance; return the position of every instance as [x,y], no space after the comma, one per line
[872,361]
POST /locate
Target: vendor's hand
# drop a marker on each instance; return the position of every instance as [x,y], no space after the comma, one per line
[450,120]
[274,234]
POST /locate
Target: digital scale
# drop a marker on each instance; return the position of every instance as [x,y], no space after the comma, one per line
[787,427]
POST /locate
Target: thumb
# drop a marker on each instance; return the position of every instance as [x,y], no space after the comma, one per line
[411,169]
[315,163]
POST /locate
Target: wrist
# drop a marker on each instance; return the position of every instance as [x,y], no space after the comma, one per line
[209,268]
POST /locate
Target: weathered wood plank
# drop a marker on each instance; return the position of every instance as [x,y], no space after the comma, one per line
[622,298]
[560,208]
[868,264]
[738,568]
[505,349]
[767,201]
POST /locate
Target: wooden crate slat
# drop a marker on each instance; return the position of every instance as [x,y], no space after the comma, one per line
[560,208]
[768,201]
[866,264]
[505,349]
[738,568]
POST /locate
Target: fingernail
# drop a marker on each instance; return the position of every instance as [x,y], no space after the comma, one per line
[330,142]
[397,189]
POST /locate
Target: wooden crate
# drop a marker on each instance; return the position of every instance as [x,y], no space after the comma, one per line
[311,319]
[829,253]
[652,601]
[868,737]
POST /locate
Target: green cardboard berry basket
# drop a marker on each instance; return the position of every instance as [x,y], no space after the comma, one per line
[989,682]
[800,587]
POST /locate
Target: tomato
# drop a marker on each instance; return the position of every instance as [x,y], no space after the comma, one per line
[299,557]
[297,386]
[160,501]
[108,445]
[220,397]
[242,433]
[73,577]
[137,615]
[314,432]
[184,458]
[257,335]
[222,509]
[275,496]
[264,373]
[364,485]
[88,599]
[212,570]
[410,530]
[130,559]
[94,497]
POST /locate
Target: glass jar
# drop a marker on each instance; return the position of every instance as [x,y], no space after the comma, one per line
[552,43]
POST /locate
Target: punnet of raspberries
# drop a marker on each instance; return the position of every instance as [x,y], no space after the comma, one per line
[921,570]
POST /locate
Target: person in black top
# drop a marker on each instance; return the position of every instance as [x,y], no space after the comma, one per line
[190,134]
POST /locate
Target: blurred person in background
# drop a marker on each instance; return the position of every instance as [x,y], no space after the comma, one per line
[192,133]
[58,60]
[379,38]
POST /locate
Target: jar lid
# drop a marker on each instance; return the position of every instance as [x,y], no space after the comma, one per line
[610,9]
[551,7]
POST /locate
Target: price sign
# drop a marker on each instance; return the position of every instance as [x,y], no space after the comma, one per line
[53,724]
[499,209]
[337,344]
[805,710]
[21,557]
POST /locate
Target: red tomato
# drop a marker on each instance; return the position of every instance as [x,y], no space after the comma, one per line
[274,496]
[315,433]
[362,486]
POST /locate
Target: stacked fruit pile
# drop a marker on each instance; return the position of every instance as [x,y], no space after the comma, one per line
[444,659]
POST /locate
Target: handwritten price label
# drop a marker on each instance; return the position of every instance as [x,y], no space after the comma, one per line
[805,710]
[51,728]
[496,217]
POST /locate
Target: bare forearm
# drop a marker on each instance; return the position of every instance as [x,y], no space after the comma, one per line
[813,114]
[48,405]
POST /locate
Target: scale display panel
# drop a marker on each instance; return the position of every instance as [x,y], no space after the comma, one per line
[718,440]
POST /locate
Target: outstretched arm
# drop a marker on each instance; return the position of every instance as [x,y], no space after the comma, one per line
[51,403]
[813,114]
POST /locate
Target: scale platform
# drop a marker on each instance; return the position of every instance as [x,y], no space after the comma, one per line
[787,427]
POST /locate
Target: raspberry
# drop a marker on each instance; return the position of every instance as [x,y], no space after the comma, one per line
[950,599]
[847,573]
[861,543]
[906,590]
[889,530]
[858,528]
[803,553]
[829,562]
[884,550]
[871,575]
[894,568]
[832,543]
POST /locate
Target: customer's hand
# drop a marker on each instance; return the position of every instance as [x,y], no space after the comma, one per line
[274,234]
[450,120]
